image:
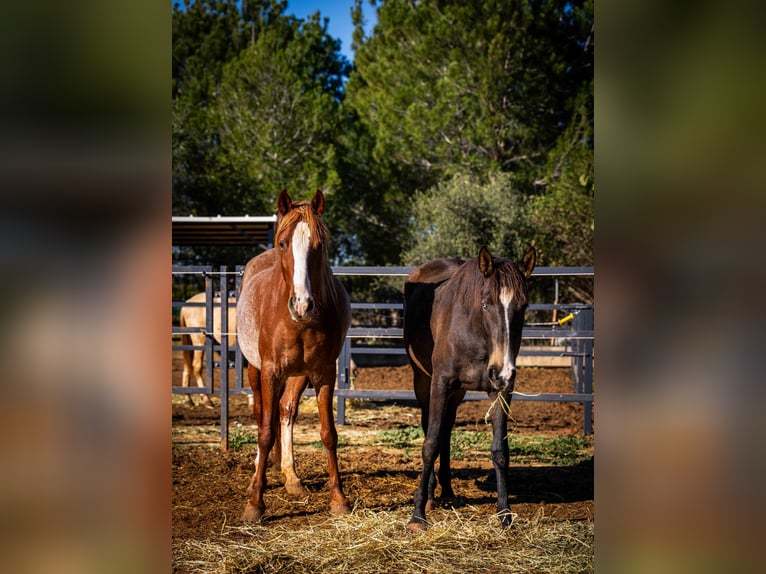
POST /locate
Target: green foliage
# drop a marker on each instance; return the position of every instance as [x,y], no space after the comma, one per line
[404,437]
[277,115]
[557,450]
[451,94]
[561,217]
[239,437]
[461,124]
[256,107]
[450,87]
[463,442]
[457,217]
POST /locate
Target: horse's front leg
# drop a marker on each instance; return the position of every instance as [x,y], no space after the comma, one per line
[288,412]
[437,407]
[267,423]
[500,456]
[324,389]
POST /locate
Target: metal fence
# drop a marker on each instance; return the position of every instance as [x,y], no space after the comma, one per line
[577,340]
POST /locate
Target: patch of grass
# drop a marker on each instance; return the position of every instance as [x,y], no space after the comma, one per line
[240,436]
[404,437]
[557,450]
[462,442]
[342,441]
[407,438]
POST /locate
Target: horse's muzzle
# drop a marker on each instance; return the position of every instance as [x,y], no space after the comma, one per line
[498,382]
[300,312]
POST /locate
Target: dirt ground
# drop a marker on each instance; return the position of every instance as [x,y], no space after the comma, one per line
[209,484]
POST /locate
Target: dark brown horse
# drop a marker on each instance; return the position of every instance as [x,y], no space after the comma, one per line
[462,331]
[292,318]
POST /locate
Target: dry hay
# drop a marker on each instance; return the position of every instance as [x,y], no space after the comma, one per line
[369,541]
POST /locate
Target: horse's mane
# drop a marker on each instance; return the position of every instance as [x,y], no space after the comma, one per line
[468,280]
[301,211]
[320,238]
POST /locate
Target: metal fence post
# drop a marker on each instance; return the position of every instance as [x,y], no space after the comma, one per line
[209,292]
[224,360]
[584,361]
[344,362]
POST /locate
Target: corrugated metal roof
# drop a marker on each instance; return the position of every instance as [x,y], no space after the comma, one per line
[220,231]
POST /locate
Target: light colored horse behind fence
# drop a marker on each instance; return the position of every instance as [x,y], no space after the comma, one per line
[195,316]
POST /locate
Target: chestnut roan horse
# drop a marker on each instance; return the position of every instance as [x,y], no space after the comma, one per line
[462,331]
[292,318]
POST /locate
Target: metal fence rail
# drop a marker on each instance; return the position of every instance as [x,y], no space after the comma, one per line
[578,344]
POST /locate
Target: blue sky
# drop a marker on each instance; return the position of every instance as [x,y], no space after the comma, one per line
[339,13]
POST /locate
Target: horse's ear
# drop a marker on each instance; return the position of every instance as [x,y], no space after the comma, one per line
[284,203]
[317,203]
[485,261]
[528,262]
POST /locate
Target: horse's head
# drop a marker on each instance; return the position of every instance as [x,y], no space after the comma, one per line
[301,242]
[501,304]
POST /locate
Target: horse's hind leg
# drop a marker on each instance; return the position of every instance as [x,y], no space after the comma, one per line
[254,379]
[288,412]
[197,363]
[186,375]
[422,386]
[445,473]
[324,389]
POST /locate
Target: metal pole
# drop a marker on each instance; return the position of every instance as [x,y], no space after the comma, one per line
[209,330]
[224,361]
[343,379]
[582,364]
[587,346]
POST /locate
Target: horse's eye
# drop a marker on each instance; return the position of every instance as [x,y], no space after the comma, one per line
[282,245]
[484,305]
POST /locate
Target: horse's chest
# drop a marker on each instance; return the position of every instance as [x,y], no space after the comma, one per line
[298,352]
[472,373]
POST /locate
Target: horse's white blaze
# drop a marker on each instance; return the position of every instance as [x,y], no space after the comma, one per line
[301,283]
[506,296]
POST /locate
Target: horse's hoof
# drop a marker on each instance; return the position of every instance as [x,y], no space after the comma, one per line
[416,526]
[448,501]
[295,488]
[339,508]
[252,513]
[506,518]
